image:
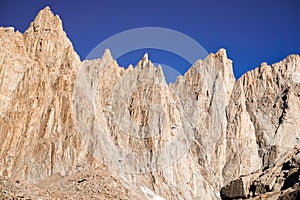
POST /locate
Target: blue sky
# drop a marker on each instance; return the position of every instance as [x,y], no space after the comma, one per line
[252,31]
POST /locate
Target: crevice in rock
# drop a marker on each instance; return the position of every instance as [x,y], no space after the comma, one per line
[284,107]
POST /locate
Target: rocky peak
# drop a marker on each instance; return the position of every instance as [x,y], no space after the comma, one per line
[46,21]
[45,40]
[221,54]
[145,61]
[39,68]
[107,57]
[93,127]
[130,67]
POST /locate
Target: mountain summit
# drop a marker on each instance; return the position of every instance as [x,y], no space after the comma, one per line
[72,129]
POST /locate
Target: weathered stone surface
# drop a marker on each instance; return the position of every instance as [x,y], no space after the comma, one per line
[92,129]
[38,71]
[291,195]
[235,190]
[283,176]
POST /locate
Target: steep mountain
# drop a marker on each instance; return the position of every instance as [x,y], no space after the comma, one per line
[74,129]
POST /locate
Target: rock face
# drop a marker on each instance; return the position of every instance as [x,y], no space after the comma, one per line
[234,190]
[282,175]
[38,70]
[92,129]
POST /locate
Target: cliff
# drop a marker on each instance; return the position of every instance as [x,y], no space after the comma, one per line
[92,129]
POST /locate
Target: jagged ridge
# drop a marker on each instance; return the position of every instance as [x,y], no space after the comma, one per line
[60,116]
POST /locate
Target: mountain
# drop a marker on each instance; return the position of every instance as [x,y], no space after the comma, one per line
[91,129]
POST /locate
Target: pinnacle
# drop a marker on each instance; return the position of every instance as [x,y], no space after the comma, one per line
[264,64]
[46,12]
[45,20]
[222,53]
[130,67]
[145,61]
[145,57]
[47,8]
[107,55]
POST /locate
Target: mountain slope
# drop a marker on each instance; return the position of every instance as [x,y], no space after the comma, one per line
[92,129]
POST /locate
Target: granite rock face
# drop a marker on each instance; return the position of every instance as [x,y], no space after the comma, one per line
[93,129]
[38,70]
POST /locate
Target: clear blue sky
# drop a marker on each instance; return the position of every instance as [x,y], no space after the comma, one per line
[252,31]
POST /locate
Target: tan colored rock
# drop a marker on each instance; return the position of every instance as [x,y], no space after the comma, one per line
[91,129]
[37,126]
